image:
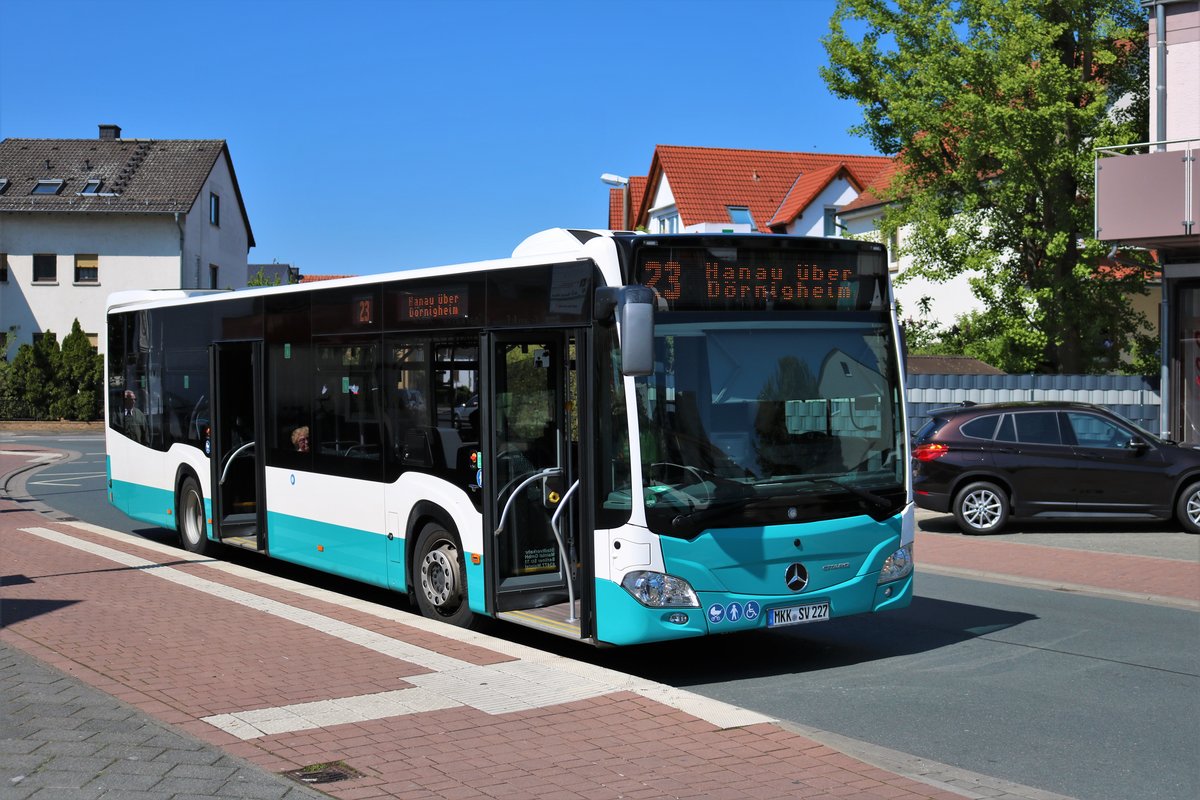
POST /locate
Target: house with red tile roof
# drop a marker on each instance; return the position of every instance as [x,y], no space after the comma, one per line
[715,189]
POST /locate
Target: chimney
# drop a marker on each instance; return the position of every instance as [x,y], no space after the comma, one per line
[110,132]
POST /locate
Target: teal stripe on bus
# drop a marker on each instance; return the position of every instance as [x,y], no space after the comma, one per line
[145,503]
[337,549]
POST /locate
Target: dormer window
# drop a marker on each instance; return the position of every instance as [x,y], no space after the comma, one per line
[48,186]
[3,184]
[91,187]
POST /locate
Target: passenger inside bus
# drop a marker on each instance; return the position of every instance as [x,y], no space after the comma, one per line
[300,439]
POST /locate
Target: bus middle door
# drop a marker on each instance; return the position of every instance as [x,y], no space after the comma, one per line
[239,514]
[533,461]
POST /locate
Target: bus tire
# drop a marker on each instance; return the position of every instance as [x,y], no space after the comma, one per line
[189,510]
[441,577]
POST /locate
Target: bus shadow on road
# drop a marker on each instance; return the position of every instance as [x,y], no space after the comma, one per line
[925,626]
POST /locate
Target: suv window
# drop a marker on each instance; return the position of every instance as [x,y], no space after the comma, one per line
[981,427]
[1038,427]
[929,428]
[1007,432]
[1093,431]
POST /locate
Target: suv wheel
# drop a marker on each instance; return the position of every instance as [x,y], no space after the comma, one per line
[1187,508]
[982,507]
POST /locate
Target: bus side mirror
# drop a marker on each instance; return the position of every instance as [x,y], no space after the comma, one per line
[634,310]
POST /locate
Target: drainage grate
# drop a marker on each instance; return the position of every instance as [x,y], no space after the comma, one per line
[330,772]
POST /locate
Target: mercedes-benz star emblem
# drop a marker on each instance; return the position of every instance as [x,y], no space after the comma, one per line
[796,577]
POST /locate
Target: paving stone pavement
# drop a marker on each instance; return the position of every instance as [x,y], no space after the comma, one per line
[125,724]
[60,739]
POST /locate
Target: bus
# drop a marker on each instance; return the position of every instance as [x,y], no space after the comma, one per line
[613,437]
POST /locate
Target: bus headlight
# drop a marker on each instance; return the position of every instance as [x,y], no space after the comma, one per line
[656,590]
[898,565]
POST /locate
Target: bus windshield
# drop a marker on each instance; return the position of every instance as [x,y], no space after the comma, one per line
[751,421]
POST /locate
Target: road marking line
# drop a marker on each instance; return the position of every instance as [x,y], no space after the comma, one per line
[32,456]
[535,680]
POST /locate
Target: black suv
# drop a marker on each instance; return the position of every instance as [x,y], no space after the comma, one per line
[985,463]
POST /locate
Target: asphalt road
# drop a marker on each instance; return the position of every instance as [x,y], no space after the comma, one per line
[1084,696]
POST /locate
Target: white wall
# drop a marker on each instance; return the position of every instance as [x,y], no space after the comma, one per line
[225,245]
[662,205]
[950,300]
[812,222]
[136,252]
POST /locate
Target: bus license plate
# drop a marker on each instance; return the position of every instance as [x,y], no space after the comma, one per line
[797,615]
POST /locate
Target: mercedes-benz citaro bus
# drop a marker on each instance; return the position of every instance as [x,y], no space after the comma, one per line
[658,437]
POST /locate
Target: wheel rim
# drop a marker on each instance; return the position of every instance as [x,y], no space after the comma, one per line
[1193,508]
[439,577]
[981,509]
[193,518]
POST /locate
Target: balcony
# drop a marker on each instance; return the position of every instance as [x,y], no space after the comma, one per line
[1147,196]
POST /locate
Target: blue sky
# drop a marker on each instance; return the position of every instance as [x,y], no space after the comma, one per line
[372,135]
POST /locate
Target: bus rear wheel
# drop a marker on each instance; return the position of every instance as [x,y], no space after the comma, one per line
[441,577]
[193,531]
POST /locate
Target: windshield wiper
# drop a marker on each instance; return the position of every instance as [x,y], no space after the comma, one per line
[695,519]
[862,494]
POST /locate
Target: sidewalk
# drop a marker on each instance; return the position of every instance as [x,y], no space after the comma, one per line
[257,676]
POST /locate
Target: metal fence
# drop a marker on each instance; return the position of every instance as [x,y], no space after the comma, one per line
[1133,397]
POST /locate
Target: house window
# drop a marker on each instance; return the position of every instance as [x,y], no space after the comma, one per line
[94,341]
[3,267]
[214,210]
[894,250]
[49,186]
[668,224]
[45,268]
[3,184]
[740,215]
[831,226]
[87,269]
[214,275]
[91,187]
[3,346]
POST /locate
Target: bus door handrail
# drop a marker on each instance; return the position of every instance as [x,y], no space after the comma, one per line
[562,550]
[548,472]
[229,461]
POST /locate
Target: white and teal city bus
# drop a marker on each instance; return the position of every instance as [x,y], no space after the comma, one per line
[615,437]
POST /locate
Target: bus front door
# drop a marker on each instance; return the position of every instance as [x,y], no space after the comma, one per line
[534,504]
[239,513]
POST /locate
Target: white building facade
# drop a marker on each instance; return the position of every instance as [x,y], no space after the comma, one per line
[81,219]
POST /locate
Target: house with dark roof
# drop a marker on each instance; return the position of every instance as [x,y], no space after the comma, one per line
[83,218]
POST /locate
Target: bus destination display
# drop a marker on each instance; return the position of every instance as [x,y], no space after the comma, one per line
[700,278]
[424,305]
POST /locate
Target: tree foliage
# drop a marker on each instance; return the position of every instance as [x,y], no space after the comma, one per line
[46,382]
[993,109]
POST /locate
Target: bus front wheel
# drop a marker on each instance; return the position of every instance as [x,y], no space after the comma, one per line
[193,532]
[441,577]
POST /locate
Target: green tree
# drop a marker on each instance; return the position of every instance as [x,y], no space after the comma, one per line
[260,279]
[34,378]
[80,374]
[993,108]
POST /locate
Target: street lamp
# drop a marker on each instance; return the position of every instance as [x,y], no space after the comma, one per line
[617,180]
